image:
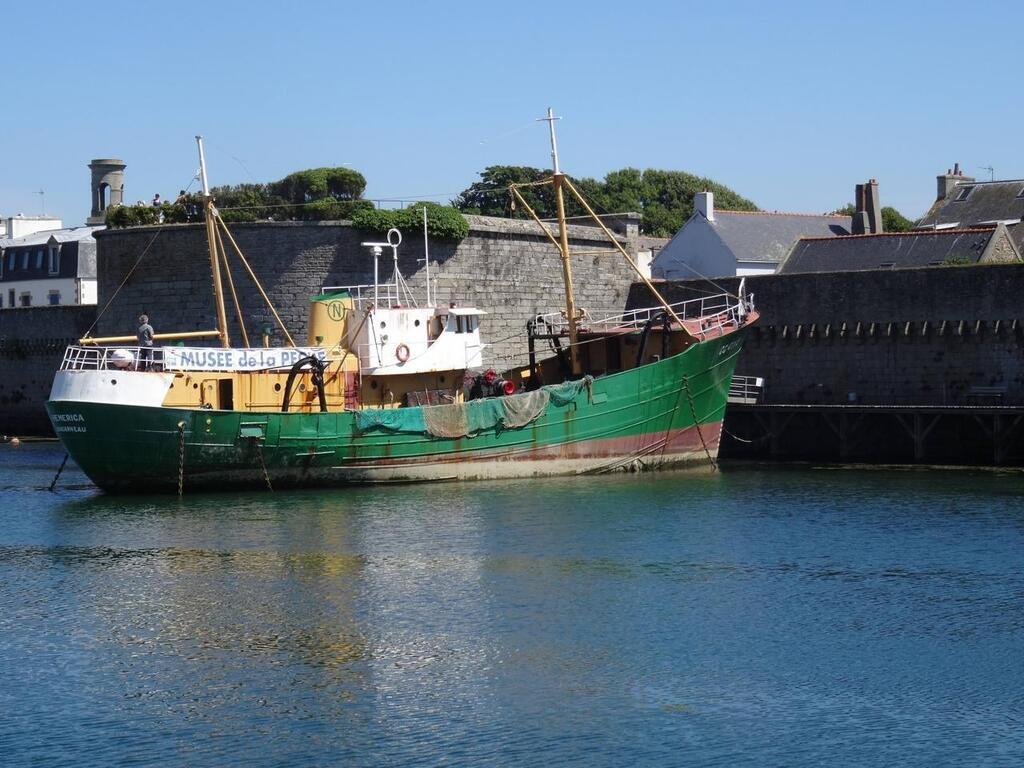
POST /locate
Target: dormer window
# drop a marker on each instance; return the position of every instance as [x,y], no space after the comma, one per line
[54,259]
[963,194]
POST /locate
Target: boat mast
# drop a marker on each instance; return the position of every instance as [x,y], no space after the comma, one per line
[563,245]
[211,240]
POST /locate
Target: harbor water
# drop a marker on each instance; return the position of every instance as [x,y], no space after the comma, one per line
[751,617]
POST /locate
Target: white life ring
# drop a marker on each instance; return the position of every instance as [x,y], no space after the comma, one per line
[402,352]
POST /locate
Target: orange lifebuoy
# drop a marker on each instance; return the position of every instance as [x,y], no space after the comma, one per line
[402,352]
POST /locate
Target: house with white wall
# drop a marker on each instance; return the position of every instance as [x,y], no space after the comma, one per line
[725,243]
[52,267]
[21,225]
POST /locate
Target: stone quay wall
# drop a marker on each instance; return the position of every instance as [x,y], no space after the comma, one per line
[32,343]
[505,267]
[930,336]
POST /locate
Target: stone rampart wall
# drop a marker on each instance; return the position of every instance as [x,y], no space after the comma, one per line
[32,343]
[933,336]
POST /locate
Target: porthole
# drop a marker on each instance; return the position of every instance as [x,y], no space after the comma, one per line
[277,387]
[416,323]
[302,387]
[113,381]
[383,324]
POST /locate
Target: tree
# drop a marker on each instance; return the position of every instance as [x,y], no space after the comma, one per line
[892,220]
[490,196]
[664,199]
[318,183]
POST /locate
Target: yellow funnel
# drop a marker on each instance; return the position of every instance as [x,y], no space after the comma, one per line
[328,319]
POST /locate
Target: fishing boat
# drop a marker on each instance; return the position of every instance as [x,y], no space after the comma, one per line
[388,390]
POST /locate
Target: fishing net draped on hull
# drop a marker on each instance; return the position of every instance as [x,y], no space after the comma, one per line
[470,418]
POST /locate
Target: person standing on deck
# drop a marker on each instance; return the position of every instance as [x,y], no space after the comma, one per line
[145,337]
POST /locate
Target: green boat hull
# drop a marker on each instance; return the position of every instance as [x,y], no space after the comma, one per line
[666,413]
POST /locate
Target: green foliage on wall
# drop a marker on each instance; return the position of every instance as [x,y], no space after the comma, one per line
[664,199]
[957,260]
[316,194]
[443,222]
[121,216]
[329,209]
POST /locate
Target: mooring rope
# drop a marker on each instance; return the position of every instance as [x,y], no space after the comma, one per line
[743,439]
[696,422]
[181,458]
[57,476]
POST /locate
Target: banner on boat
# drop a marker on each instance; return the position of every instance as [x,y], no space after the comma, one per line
[213,359]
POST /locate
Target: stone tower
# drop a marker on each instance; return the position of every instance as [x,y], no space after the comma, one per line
[107,187]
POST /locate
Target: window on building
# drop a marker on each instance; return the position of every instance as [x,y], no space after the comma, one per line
[39,259]
[24,259]
[10,298]
[26,299]
[54,298]
[11,258]
[54,259]
[963,195]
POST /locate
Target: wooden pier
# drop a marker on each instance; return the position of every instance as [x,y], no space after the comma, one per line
[983,435]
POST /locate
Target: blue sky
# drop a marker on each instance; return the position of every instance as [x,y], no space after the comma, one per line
[789,103]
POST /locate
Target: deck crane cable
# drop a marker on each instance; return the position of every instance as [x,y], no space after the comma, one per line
[124,282]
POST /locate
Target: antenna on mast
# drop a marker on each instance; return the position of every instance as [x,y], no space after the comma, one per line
[202,167]
[550,120]
[209,212]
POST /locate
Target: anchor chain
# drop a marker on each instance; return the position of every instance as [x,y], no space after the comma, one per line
[181,457]
[263,464]
[696,423]
[57,476]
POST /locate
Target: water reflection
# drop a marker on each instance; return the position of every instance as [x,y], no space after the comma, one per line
[747,617]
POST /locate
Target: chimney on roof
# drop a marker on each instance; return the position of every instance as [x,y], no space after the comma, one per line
[867,216]
[704,202]
[947,181]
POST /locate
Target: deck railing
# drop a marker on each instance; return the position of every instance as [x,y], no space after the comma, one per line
[363,295]
[91,358]
[709,313]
